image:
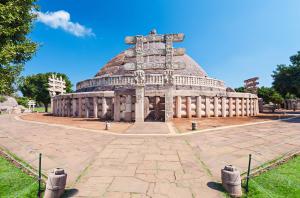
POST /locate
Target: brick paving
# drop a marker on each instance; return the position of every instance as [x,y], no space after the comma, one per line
[101,165]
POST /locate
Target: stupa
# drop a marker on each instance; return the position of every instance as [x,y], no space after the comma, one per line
[153,81]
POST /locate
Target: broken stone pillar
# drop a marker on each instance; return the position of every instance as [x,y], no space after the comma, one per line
[207,107]
[104,108]
[243,107]
[128,108]
[56,183]
[188,107]
[198,106]
[230,107]
[169,103]
[139,104]
[237,107]
[178,107]
[117,105]
[216,106]
[231,181]
[95,105]
[223,106]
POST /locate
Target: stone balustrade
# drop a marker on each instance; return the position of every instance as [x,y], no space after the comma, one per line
[186,103]
[150,79]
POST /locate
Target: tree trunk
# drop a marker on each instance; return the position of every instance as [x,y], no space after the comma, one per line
[46,107]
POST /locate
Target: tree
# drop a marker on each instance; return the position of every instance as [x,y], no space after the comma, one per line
[240,89]
[16,17]
[269,95]
[36,87]
[287,78]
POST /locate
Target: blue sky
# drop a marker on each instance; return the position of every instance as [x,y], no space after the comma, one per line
[232,40]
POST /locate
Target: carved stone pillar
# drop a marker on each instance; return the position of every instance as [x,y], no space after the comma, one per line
[87,107]
[256,107]
[104,108]
[74,107]
[95,105]
[80,107]
[139,103]
[230,107]
[243,107]
[216,106]
[247,107]
[128,108]
[178,107]
[117,106]
[169,81]
[223,106]
[156,107]
[237,107]
[198,106]
[139,78]
[188,107]
[207,106]
[251,107]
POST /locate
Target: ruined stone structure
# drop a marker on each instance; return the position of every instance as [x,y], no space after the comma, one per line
[153,81]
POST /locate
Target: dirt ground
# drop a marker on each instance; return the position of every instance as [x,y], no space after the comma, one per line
[87,123]
[185,125]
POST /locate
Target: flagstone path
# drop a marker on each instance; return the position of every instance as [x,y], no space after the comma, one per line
[129,165]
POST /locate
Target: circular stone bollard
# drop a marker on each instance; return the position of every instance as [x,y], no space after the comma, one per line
[56,183]
[231,181]
[194,126]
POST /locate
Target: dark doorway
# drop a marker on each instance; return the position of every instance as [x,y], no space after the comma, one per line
[154,108]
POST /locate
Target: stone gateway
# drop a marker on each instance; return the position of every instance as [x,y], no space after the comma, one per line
[153,81]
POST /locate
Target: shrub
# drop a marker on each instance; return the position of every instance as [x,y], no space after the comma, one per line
[2,99]
[23,101]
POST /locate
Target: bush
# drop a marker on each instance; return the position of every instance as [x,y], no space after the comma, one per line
[23,101]
[2,99]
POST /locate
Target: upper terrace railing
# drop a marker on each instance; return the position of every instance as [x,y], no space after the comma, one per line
[150,79]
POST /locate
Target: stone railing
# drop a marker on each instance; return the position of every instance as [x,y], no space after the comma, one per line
[150,79]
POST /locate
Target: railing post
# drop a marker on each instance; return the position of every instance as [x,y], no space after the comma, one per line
[248,174]
[40,175]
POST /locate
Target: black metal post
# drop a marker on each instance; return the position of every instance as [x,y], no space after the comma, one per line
[40,175]
[248,174]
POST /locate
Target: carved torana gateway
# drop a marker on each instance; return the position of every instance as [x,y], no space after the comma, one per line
[153,81]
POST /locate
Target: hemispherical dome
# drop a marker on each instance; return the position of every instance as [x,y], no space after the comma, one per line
[116,67]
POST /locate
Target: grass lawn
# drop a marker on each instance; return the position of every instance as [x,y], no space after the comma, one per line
[280,182]
[14,182]
[42,109]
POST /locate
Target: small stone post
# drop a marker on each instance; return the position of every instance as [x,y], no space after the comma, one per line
[56,183]
[231,181]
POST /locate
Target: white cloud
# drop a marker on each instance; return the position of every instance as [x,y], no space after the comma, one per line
[61,19]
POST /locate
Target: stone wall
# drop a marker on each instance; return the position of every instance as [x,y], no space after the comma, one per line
[110,105]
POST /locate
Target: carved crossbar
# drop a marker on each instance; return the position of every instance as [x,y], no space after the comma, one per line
[130,53]
[154,38]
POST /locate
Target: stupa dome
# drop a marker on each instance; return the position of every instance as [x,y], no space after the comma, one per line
[116,67]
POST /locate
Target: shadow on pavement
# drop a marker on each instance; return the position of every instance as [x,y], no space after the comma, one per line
[70,192]
[216,186]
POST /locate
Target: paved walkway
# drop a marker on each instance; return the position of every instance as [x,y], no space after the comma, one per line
[103,165]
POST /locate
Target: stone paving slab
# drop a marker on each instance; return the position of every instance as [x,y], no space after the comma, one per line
[101,165]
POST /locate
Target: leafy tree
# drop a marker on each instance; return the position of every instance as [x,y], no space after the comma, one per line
[269,95]
[240,89]
[16,17]
[36,87]
[22,101]
[287,78]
